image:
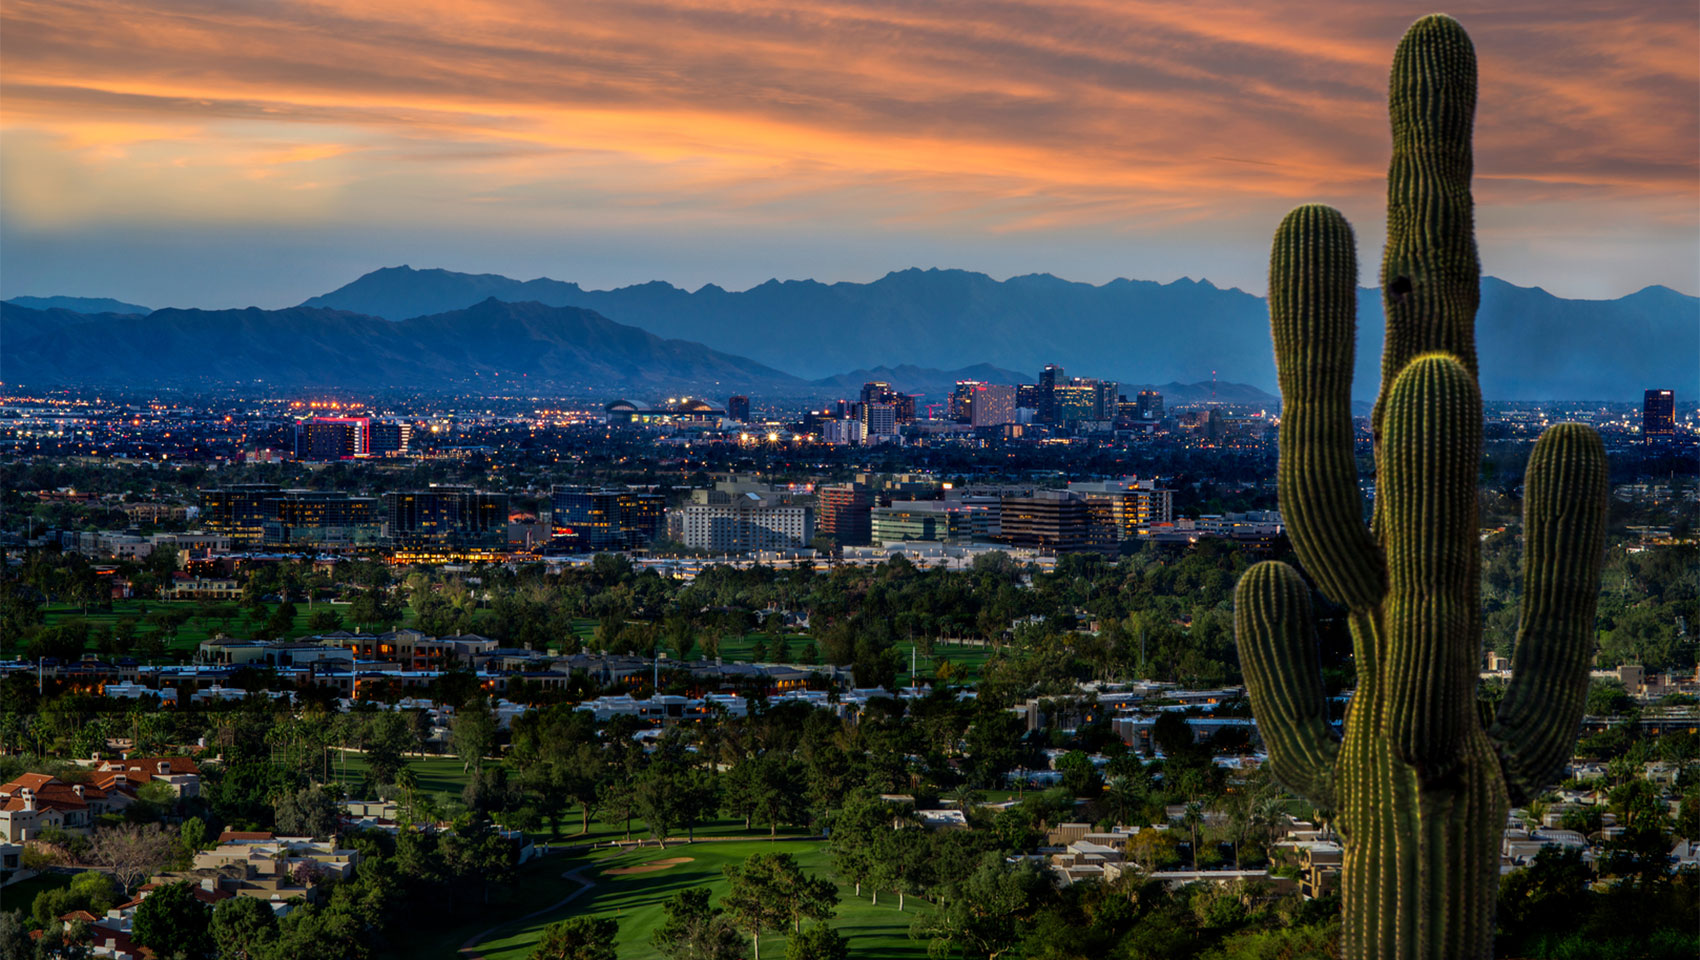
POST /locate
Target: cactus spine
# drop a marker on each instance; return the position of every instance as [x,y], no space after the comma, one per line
[1420,786]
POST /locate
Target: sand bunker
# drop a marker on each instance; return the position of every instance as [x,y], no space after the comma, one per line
[649,867]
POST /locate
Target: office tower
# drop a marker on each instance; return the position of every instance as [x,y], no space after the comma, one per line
[238,511]
[1658,414]
[1077,400]
[879,421]
[1150,405]
[1104,399]
[390,438]
[903,407]
[444,519]
[902,404]
[317,520]
[747,522]
[612,518]
[1027,396]
[738,408]
[993,405]
[962,401]
[843,513]
[1116,509]
[1046,393]
[333,438]
[906,521]
[1051,522]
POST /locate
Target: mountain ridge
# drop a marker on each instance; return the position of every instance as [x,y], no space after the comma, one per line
[1183,331]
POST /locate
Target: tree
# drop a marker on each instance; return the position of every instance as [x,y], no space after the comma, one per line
[1549,895]
[310,812]
[819,942]
[242,928]
[90,890]
[985,915]
[473,733]
[133,851]
[385,739]
[14,939]
[693,930]
[581,938]
[770,891]
[173,922]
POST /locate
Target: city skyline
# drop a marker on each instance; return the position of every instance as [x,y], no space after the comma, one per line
[195,154]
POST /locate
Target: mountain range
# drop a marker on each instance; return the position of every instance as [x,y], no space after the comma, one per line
[1532,345]
[399,325]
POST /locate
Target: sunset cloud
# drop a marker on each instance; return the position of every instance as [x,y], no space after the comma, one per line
[972,119]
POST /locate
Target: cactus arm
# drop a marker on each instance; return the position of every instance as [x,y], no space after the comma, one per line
[1313,278]
[1283,671]
[1431,453]
[1564,507]
[1430,274]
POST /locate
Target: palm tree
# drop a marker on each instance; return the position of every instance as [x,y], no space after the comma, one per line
[1192,819]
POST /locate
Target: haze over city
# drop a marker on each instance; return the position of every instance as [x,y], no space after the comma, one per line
[223,154]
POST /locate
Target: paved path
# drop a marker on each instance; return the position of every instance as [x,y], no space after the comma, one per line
[469,949]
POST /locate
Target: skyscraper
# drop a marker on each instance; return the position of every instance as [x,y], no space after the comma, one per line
[1150,405]
[879,421]
[962,401]
[333,438]
[844,513]
[994,405]
[444,518]
[902,404]
[612,518]
[1658,414]
[238,511]
[1048,378]
[738,408]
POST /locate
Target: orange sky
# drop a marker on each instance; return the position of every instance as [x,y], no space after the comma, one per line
[286,147]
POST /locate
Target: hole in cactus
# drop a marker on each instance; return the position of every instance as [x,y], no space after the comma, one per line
[1399,289]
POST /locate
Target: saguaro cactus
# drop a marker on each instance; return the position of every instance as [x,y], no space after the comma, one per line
[1420,784]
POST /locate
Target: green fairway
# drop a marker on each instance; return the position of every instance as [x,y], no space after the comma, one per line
[21,895]
[202,626]
[635,900]
[435,774]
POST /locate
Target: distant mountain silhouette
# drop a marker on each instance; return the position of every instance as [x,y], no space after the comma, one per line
[934,385]
[1532,345]
[563,347]
[88,305]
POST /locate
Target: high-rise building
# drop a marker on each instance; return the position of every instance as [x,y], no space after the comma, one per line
[738,408]
[1046,393]
[902,404]
[946,521]
[319,520]
[1027,396]
[843,513]
[333,438]
[238,511]
[879,422]
[993,405]
[444,519]
[962,401]
[612,518]
[391,438]
[1658,414]
[748,522]
[1150,405]
[1074,401]
[1051,522]
[1116,509]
